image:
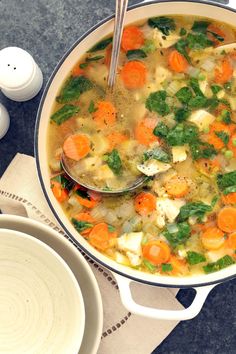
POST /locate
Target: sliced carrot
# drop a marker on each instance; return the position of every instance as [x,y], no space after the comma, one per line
[61,194]
[134,74]
[207,166]
[229,198]
[216,30]
[177,187]
[105,115]
[132,38]
[226,219]
[212,238]
[213,139]
[76,146]
[179,266]
[100,236]
[231,241]
[156,251]
[107,60]
[77,71]
[224,72]
[143,133]
[88,203]
[116,138]
[85,217]
[177,62]
[231,144]
[145,203]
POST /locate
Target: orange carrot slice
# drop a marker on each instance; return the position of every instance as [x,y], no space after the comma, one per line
[143,133]
[61,194]
[116,138]
[177,187]
[76,146]
[229,198]
[207,166]
[179,266]
[231,241]
[177,62]
[226,219]
[213,238]
[132,38]
[105,115]
[145,203]
[77,71]
[213,138]
[100,236]
[85,217]
[224,72]
[156,251]
[134,74]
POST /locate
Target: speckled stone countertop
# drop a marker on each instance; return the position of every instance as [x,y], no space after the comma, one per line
[47,29]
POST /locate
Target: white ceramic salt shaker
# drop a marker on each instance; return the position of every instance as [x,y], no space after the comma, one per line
[20,77]
[4,121]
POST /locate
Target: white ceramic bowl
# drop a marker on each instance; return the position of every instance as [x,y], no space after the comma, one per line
[80,268]
[41,305]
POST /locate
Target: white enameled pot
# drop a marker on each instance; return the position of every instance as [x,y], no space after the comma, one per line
[203,284]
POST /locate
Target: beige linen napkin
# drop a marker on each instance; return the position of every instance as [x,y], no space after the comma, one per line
[123,332]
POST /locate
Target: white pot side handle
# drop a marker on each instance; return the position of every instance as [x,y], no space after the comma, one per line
[160,314]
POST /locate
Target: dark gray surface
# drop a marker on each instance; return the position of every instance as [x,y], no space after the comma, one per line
[47,29]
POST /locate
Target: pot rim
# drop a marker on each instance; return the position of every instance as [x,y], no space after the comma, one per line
[36,149]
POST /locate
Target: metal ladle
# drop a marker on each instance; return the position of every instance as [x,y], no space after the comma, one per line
[121,6]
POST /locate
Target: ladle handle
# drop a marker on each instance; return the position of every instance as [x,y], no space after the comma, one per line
[121,6]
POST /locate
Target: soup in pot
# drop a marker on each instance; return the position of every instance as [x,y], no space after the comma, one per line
[170,117]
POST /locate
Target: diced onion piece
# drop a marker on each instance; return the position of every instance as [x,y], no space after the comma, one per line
[208,65]
[201,118]
[169,207]
[179,153]
[173,87]
[164,41]
[192,71]
[152,167]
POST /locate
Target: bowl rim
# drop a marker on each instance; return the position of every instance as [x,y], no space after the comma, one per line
[40,175]
[53,256]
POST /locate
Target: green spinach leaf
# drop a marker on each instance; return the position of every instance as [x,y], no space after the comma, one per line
[135,54]
[182,114]
[177,234]
[223,136]
[182,134]
[64,113]
[161,130]
[200,150]
[166,267]
[184,95]
[157,154]
[195,257]
[100,45]
[226,180]
[223,262]
[164,24]
[156,102]
[81,225]
[114,162]
[73,88]
[198,209]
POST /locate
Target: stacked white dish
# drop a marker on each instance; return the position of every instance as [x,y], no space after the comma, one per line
[50,300]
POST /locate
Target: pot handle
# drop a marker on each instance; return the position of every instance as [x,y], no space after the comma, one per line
[179,315]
